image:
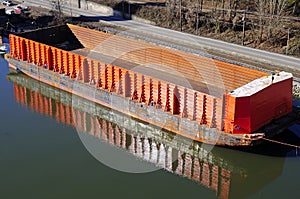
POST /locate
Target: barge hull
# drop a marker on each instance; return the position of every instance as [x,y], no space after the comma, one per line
[152,115]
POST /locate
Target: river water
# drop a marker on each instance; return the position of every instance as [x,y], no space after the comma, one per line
[43,153]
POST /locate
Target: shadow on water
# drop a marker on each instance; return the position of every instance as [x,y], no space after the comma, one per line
[268,148]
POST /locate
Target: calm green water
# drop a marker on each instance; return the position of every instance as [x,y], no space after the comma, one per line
[43,156]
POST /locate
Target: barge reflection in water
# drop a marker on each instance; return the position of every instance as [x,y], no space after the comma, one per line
[229,173]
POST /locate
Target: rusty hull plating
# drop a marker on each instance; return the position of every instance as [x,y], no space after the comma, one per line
[206,100]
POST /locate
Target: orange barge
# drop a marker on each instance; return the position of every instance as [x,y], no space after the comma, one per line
[203,99]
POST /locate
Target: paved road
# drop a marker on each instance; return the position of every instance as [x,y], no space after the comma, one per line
[181,39]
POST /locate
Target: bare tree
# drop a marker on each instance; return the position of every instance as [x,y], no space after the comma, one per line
[296,2]
[260,4]
[57,10]
[272,7]
[57,6]
[201,4]
[281,8]
[223,7]
[270,13]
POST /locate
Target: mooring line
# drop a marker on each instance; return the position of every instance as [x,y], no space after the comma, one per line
[283,143]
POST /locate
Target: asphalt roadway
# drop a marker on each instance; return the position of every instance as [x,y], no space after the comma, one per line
[171,38]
